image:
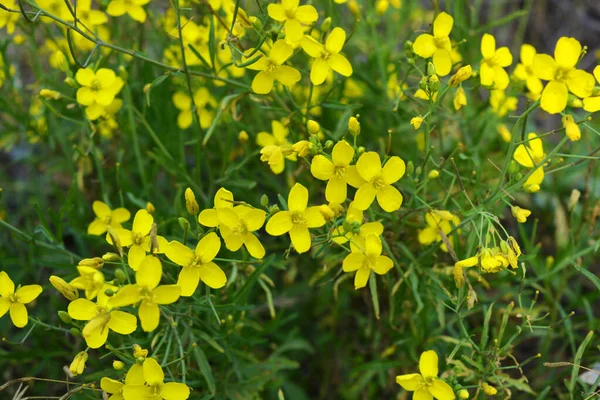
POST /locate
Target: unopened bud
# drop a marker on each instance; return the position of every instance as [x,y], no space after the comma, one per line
[264,200]
[65,317]
[118,365]
[190,202]
[120,275]
[571,128]
[139,352]
[430,69]
[95,262]
[150,208]
[354,126]
[329,144]
[433,174]
[50,94]
[111,257]
[66,289]
[410,167]
[184,224]
[243,136]
[313,127]
[70,81]
[327,212]
[326,24]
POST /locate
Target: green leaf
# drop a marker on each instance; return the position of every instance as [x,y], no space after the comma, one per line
[578,357]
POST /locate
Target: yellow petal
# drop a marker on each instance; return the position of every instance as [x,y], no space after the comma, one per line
[85,96]
[7,287]
[149,273]
[137,391]
[567,52]
[441,390]
[554,97]
[153,373]
[126,296]
[393,170]
[364,196]
[486,75]
[389,198]
[287,75]
[137,13]
[293,32]
[95,332]
[410,382]
[277,12]
[361,278]
[116,8]
[488,46]
[166,294]
[369,166]
[382,265]
[428,364]
[101,209]
[307,14]
[179,253]
[335,41]
[253,245]
[591,104]
[527,54]
[336,190]
[209,218]
[319,71]
[174,391]
[544,67]
[298,198]
[353,262]
[111,386]
[208,247]
[580,83]
[321,167]
[82,309]
[314,218]
[263,82]
[311,46]
[212,275]
[442,61]
[188,280]
[122,322]
[501,78]
[442,26]
[279,224]
[340,64]
[135,256]
[503,57]
[300,237]
[280,52]
[424,46]
[149,314]
[4,305]
[18,315]
[142,222]
[26,294]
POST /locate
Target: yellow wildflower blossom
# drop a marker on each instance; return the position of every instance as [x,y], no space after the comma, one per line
[14,301]
[437,45]
[133,8]
[106,217]
[328,57]
[494,61]
[334,171]
[366,258]
[272,69]
[427,385]
[293,16]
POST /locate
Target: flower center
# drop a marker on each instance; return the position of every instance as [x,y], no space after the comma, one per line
[107,220]
[298,219]
[561,74]
[339,172]
[137,238]
[96,84]
[240,229]
[196,263]
[290,13]
[378,183]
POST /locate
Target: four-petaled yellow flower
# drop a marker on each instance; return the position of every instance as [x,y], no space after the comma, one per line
[297,220]
[106,217]
[334,171]
[437,45]
[14,301]
[438,222]
[353,226]
[366,257]
[147,278]
[524,71]
[155,388]
[530,156]
[135,376]
[327,57]
[139,239]
[103,316]
[237,225]
[562,75]
[90,280]
[294,17]
[275,146]
[272,69]
[197,264]
[133,8]
[494,61]
[203,100]
[374,181]
[98,87]
[426,385]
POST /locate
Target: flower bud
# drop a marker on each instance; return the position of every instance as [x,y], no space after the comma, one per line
[313,127]
[418,171]
[520,214]
[354,126]
[75,332]
[433,174]
[410,167]
[463,394]
[50,94]
[70,81]
[243,137]
[120,275]
[95,262]
[111,257]
[460,98]
[78,364]
[381,6]
[416,122]
[434,84]
[504,133]
[65,317]
[326,24]
[489,390]
[329,144]
[118,365]
[273,209]
[461,75]
[360,150]
[66,289]
[326,212]
[184,224]
[190,202]
[571,128]
[430,69]
[264,200]
[150,208]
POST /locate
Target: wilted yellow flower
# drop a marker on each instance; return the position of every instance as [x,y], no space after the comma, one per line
[489,390]
[416,121]
[571,128]
[460,76]
[78,364]
[190,202]
[67,290]
[520,214]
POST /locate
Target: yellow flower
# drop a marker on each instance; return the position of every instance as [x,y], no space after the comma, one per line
[198,264]
[328,57]
[334,171]
[151,295]
[272,69]
[520,214]
[460,76]
[502,104]
[437,45]
[297,220]
[14,301]
[50,94]
[427,385]
[494,61]
[562,75]
[103,316]
[139,239]
[203,101]
[9,20]
[106,217]
[155,388]
[463,394]
[353,126]
[78,364]
[366,257]
[97,88]
[294,17]
[133,8]
[237,225]
[592,103]
[90,280]
[504,133]
[438,222]
[223,200]
[525,71]
[135,376]
[571,128]
[460,99]
[416,121]
[274,145]
[531,154]
[302,148]
[374,181]
[353,226]
[118,365]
